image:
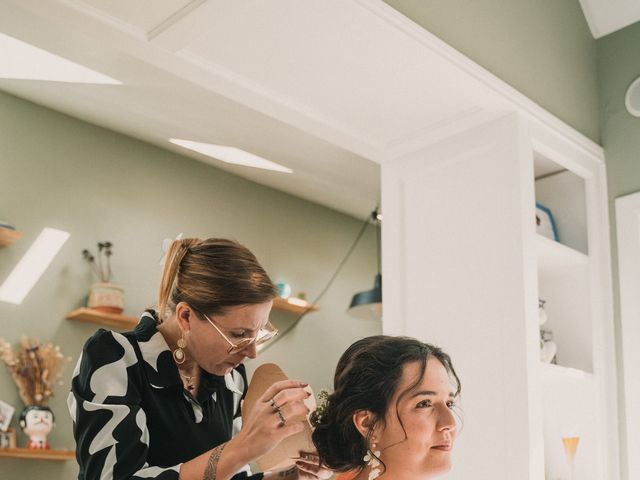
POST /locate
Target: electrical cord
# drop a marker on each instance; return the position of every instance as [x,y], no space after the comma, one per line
[373,215]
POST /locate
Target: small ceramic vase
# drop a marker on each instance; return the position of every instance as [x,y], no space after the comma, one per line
[37,422]
[106,297]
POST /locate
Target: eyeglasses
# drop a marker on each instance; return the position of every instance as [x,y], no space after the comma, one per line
[265,334]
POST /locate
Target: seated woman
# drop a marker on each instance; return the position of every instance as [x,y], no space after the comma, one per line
[392,411]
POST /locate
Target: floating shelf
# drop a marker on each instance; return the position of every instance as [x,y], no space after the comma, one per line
[38,454]
[555,257]
[294,305]
[8,236]
[89,315]
[559,373]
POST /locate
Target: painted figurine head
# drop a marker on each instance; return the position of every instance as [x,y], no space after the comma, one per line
[37,421]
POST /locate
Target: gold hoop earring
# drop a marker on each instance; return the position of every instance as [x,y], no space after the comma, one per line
[178,354]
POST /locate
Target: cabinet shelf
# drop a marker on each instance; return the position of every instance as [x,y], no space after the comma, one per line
[557,373]
[294,305]
[37,454]
[88,315]
[554,257]
[8,236]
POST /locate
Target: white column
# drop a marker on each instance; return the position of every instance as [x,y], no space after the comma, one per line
[459,271]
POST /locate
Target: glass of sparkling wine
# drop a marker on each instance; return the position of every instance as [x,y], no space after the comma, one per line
[570,447]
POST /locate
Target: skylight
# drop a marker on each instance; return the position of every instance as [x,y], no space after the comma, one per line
[231,155]
[32,265]
[19,60]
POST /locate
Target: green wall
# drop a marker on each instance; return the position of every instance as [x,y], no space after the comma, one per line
[60,172]
[618,66]
[542,48]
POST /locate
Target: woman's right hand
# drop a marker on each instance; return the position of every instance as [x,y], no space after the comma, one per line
[263,429]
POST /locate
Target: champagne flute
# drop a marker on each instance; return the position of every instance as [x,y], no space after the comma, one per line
[570,444]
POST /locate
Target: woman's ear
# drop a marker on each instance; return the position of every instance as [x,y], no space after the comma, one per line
[184,315]
[364,421]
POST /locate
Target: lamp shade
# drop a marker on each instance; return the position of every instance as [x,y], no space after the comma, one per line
[367,305]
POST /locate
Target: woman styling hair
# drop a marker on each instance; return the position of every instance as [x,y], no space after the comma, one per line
[391,413]
[163,401]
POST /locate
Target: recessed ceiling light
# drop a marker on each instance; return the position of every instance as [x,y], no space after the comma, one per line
[32,265]
[231,155]
[19,60]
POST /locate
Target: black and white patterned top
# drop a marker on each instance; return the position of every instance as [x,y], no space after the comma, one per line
[133,419]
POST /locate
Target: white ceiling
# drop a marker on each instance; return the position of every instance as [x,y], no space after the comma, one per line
[155,104]
[328,88]
[607,16]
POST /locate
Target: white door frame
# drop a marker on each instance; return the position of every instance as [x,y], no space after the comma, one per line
[628,230]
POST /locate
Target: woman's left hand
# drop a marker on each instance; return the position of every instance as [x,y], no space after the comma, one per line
[308,467]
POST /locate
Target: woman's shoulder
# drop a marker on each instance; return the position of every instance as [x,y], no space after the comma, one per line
[106,347]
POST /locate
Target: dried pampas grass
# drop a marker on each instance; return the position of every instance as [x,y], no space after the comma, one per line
[35,368]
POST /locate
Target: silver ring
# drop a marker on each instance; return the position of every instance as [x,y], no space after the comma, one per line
[275,407]
[283,420]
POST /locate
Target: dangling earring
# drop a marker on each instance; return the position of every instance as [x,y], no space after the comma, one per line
[371,459]
[178,354]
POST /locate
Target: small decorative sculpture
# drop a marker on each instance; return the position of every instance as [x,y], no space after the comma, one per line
[35,369]
[548,348]
[37,422]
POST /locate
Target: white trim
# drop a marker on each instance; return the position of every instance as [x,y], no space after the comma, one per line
[628,230]
[175,18]
[248,92]
[517,99]
[105,18]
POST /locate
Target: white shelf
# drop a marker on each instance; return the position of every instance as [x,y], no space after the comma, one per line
[569,409]
[557,373]
[554,257]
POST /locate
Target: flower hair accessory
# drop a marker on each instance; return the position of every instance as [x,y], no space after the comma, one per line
[166,243]
[318,413]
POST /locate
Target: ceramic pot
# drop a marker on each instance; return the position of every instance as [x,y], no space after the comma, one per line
[37,422]
[106,297]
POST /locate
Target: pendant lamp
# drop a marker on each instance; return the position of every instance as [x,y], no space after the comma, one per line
[367,305]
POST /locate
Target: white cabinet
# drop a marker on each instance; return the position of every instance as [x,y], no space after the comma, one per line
[464,268]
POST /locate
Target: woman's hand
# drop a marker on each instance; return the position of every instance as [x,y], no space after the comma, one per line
[278,414]
[309,467]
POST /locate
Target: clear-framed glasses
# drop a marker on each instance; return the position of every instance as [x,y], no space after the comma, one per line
[265,334]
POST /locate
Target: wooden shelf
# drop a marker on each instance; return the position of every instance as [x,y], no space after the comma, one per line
[88,315]
[294,305]
[8,236]
[38,454]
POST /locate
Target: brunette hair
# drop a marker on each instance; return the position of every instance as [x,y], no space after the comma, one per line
[367,376]
[211,275]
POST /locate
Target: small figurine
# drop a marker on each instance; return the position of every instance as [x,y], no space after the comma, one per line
[37,422]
